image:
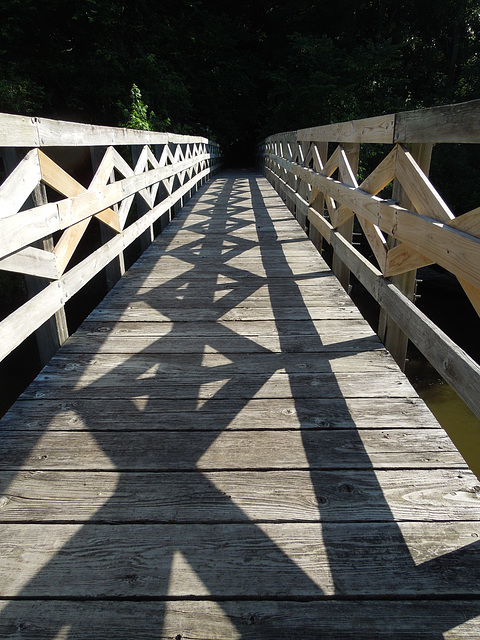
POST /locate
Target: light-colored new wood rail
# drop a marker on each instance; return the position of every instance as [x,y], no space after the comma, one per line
[413,229]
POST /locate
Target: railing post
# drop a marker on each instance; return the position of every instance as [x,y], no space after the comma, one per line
[53,333]
[318,201]
[142,207]
[166,217]
[340,270]
[302,187]
[394,339]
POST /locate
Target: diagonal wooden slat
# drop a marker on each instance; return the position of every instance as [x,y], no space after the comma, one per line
[402,258]
[32,261]
[458,252]
[124,168]
[318,167]
[330,167]
[155,165]
[59,180]
[377,182]
[348,159]
[425,198]
[68,242]
[140,167]
[348,177]
[17,187]
[302,187]
[428,202]
[470,223]
[383,174]
[163,157]
[104,169]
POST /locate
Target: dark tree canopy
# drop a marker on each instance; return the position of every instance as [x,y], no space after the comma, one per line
[236,70]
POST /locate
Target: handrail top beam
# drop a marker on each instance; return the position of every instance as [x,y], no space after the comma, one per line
[24,131]
[453,123]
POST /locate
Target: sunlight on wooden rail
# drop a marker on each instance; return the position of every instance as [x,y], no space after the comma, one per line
[407,227]
[45,211]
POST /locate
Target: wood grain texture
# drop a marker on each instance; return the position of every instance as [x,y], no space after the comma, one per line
[379,129]
[207,450]
[22,131]
[204,384]
[233,619]
[224,449]
[162,497]
[67,414]
[284,560]
[453,123]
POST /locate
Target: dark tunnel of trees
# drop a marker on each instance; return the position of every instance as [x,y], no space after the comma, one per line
[235,71]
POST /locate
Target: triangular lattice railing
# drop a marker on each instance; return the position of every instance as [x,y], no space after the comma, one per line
[405,230]
[45,210]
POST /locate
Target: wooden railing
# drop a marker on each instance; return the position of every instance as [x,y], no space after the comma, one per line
[315,171]
[49,198]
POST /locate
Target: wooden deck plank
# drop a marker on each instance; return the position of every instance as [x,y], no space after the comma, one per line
[233,619]
[246,313]
[246,449]
[206,384]
[224,449]
[92,366]
[358,339]
[162,497]
[66,414]
[271,560]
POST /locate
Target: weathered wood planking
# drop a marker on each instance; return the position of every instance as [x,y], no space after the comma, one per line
[22,131]
[223,343]
[224,449]
[205,384]
[276,560]
[250,620]
[162,497]
[347,449]
[453,123]
[90,366]
[165,414]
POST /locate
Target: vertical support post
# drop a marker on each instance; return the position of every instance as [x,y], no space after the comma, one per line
[116,267]
[302,187]
[162,190]
[318,202]
[290,178]
[146,238]
[346,230]
[390,333]
[54,332]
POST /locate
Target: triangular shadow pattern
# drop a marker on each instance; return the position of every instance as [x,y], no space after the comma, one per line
[231,445]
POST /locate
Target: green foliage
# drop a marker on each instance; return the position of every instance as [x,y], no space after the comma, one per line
[137,116]
[239,69]
[20,95]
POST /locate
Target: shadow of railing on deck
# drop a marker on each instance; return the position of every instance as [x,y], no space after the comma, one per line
[186,521]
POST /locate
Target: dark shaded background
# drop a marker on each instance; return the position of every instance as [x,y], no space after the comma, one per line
[233,70]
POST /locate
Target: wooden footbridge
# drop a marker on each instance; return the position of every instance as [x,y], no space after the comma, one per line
[224,448]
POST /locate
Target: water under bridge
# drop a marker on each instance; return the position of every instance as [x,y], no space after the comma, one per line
[224,448]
